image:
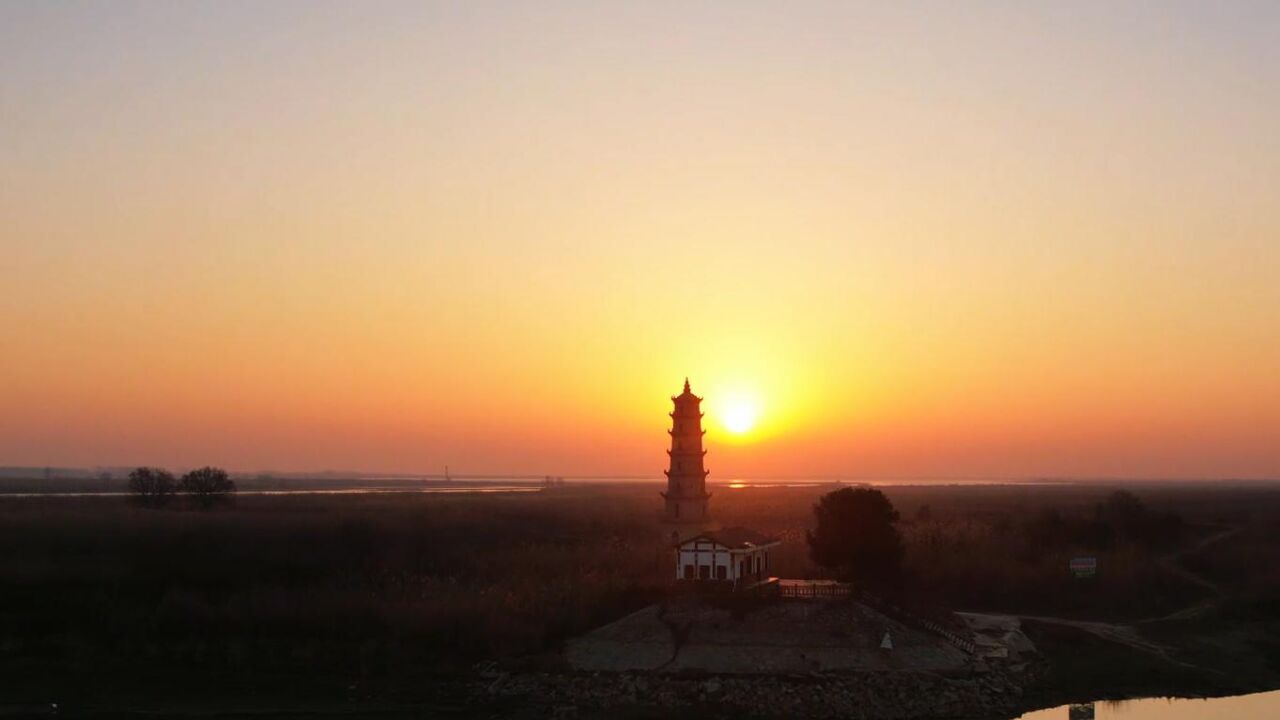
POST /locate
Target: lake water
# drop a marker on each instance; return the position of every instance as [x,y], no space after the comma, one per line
[415,485]
[1258,706]
[387,484]
[433,490]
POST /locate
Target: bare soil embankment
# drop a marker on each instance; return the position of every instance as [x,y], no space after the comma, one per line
[785,637]
[776,659]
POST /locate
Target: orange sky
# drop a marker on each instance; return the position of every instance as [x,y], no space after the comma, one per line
[920,241]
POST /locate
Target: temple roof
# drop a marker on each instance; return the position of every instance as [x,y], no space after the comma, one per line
[736,538]
[687,393]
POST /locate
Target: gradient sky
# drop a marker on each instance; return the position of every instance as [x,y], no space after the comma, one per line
[925,239]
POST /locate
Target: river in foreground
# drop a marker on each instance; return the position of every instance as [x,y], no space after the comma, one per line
[1257,706]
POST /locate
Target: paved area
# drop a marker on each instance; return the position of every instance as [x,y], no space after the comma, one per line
[797,636]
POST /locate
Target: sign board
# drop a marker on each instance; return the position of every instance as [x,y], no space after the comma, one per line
[1083,567]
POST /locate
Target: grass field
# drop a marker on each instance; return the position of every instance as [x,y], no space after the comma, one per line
[365,594]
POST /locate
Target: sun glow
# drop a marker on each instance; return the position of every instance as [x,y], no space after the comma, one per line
[740,414]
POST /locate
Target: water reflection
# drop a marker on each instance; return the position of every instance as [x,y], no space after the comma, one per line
[434,490]
[1241,707]
[1080,711]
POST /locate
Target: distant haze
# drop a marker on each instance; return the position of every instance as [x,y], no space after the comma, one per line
[921,239]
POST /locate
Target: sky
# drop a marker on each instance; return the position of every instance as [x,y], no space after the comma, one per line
[1006,239]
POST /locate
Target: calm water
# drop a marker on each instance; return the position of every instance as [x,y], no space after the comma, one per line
[409,484]
[434,490]
[1259,706]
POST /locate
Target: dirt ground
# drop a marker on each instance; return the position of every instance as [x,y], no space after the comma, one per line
[778,637]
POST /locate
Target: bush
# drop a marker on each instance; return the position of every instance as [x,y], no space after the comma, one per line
[208,485]
[151,487]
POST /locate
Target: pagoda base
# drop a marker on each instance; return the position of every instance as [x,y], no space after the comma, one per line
[686,509]
[676,533]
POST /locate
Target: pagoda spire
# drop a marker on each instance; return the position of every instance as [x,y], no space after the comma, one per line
[686,495]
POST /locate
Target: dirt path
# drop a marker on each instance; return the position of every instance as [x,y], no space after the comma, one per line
[1121,634]
[1118,633]
[1173,564]
[1127,634]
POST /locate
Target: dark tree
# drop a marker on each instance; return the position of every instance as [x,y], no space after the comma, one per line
[1125,509]
[1125,513]
[151,487]
[1048,529]
[1133,522]
[208,485]
[856,536]
[1097,535]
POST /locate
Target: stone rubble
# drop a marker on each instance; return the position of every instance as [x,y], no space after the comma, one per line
[878,695]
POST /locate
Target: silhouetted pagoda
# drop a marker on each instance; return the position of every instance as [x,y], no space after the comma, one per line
[686,494]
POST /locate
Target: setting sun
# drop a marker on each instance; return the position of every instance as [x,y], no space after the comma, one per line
[513,358]
[739,415]
[410,236]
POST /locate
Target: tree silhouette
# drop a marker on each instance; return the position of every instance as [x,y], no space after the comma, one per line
[1125,510]
[207,486]
[151,487]
[855,535]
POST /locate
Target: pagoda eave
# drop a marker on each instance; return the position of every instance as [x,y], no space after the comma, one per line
[686,494]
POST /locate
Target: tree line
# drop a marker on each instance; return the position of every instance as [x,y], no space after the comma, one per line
[156,487]
[856,532]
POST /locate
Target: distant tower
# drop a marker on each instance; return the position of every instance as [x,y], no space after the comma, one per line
[686,493]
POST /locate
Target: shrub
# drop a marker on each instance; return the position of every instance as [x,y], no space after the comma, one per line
[208,485]
[151,487]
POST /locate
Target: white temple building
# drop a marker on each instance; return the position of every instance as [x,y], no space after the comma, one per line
[734,555]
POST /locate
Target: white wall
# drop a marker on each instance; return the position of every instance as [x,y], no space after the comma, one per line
[704,552]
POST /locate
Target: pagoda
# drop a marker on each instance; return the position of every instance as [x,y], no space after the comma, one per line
[686,496]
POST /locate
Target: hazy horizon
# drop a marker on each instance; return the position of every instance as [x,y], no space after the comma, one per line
[917,239]
[90,472]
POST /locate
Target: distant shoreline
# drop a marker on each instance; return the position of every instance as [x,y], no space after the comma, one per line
[114,486]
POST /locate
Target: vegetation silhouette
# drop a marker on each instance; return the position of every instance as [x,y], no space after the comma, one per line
[103,598]
[856,536]
[152,487]
[1122,519]
[208,486]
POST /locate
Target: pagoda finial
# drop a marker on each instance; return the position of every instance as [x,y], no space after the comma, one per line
[686,385]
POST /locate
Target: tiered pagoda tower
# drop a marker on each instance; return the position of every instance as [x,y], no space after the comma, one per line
[686,495]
